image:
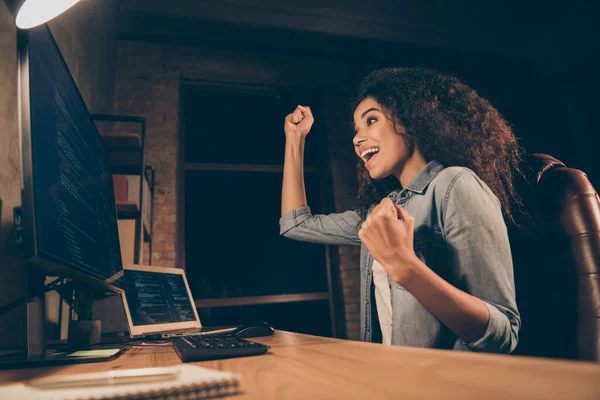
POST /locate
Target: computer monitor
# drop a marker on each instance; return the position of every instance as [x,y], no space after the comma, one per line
[68,212]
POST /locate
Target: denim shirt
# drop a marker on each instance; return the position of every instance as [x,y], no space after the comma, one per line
[459,233]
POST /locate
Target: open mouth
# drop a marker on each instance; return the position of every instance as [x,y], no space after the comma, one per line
[368,154]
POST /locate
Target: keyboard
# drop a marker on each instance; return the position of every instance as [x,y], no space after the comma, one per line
[212,347]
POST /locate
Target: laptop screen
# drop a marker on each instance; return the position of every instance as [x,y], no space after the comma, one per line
[157,300]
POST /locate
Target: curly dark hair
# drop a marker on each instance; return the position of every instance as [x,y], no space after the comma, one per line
[448,122]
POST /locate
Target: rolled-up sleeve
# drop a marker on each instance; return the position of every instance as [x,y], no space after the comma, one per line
[336,229]
[480,258]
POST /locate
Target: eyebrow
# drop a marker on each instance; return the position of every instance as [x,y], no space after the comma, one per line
[370,109]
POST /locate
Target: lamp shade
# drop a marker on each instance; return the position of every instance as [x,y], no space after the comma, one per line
[31,13]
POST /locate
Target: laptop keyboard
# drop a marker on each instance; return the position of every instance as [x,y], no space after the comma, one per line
[212,347]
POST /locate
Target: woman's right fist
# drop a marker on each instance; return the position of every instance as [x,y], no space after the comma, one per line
[299,122]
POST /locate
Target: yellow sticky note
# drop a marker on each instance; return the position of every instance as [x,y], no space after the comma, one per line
[95,353]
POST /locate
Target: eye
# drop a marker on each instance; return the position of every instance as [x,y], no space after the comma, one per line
[371,120]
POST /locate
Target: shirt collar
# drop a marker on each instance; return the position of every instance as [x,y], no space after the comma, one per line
[424,177]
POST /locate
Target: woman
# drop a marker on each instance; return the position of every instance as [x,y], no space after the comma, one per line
[436,180]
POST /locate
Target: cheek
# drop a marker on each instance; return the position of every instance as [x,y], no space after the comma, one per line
[399,147]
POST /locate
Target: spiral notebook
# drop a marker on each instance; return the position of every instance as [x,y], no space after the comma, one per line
[182,381]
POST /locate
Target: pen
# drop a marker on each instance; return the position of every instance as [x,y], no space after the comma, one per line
[132,376]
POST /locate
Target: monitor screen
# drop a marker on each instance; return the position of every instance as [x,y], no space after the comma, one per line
[72,197]
[156,298]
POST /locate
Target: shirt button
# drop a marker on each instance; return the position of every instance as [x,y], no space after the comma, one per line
[403,194]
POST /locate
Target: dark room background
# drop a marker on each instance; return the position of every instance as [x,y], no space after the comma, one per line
[214,80]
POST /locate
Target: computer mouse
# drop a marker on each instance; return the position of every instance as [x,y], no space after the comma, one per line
[253,329]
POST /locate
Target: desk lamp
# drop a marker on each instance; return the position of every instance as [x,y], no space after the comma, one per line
[31,13]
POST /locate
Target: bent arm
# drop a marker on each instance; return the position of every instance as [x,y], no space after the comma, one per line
[296,221]
[479,251]
[480,307]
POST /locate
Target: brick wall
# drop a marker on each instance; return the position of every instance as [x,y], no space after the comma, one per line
[148,85]
[87,36]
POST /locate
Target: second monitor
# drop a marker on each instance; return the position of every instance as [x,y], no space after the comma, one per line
[158,301]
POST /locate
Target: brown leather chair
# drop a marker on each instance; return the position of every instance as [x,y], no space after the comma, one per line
[557,263]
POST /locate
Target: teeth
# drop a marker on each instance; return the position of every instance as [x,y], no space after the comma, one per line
[367,151]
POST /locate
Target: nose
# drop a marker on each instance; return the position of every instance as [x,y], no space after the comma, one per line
[358,139]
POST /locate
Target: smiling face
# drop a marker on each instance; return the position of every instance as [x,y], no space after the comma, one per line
[382,148]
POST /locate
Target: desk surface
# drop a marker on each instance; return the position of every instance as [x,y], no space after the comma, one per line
[303,366]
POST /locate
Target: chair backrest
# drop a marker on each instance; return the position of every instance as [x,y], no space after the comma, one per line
[557,263]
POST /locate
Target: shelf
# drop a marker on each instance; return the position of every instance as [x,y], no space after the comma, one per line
[240,167]
[127,209]
[125,169]
[122,140]
[126,162]
[254,300]
[123,137]
[147,234]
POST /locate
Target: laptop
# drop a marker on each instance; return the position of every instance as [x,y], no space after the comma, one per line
[158,303]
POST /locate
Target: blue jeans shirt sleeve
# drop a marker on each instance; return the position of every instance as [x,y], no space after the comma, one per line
[480,260]
[336,229]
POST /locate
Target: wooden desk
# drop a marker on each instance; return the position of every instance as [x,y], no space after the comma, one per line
[306,367]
